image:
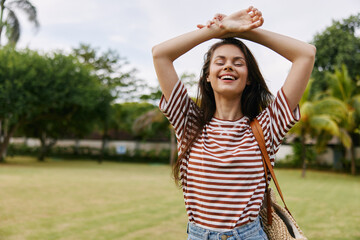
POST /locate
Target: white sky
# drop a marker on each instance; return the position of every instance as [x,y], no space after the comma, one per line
[133,27]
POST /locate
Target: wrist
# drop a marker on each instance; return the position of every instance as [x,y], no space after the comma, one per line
[214,31]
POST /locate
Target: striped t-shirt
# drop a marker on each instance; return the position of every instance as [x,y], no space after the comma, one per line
[223,176]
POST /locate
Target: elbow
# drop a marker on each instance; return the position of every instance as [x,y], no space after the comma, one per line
[160,53]
[308,53]
[311,51]
[156,53]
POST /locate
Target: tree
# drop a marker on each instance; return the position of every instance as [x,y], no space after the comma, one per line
[342,87]
[43,93]
[338,44]
[155,116]
[11,24]
[109,69]
[16,70]
[319,119]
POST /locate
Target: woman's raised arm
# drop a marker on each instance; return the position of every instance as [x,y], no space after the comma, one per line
[164,54]
[301,54]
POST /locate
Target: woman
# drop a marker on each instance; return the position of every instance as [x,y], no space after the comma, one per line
[219,164]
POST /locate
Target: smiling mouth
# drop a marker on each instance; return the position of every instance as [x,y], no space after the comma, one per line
[228,78]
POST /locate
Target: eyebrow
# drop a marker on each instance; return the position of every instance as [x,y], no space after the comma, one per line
[235,58]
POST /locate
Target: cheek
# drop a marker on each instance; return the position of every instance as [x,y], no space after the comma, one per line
[212,75]
[244,73]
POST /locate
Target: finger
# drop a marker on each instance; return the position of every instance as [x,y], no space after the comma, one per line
[249,9]
[256,17]
[219,16]
[209,23]
[218,23]
[258,23]
[261,21]
[222,16]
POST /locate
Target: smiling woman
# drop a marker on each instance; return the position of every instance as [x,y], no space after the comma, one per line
[220,165]
[228,74]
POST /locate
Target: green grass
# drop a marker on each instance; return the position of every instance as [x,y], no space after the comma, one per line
[85,200]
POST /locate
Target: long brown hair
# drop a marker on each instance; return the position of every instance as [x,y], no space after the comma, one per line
[255,97]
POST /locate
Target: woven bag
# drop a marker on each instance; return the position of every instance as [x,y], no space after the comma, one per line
[283,226]
[278,223]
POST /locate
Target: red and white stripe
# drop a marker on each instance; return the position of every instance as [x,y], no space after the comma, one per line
[223,176]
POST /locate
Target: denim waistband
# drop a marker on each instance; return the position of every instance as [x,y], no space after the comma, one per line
[238,233]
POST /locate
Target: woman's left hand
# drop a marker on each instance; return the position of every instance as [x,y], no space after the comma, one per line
[240,21]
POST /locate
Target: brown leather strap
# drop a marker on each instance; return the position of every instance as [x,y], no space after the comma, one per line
[259,136]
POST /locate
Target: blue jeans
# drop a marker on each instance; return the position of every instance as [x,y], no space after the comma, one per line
[249,231]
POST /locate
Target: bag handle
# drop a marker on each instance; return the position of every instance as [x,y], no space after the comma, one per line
[259,136]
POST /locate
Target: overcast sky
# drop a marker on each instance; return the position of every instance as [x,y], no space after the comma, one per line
[132,27]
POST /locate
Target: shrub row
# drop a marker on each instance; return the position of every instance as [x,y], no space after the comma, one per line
[72,152]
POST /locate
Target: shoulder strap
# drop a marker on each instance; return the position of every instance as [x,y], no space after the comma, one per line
[259,136]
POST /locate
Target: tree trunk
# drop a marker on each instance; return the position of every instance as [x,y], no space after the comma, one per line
[77,146]
[353,157]
[41,156]
[45,148]
[6,139]
[104,144]
[1,133]
[1,17]
[303,154]
[172,146]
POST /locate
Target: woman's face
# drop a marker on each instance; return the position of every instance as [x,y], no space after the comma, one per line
[228,71]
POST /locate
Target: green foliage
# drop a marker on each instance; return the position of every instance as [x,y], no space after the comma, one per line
[11,24]
[155,92]
[48,96]
[71,152]
[109,68]
[310,155]
[60,94]
[320,118]
[128,114]
[341,87]
[338,44]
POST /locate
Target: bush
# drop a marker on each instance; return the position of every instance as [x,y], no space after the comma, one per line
[294,160]
[71,152]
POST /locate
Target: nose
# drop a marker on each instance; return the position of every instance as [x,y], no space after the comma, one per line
[228,68]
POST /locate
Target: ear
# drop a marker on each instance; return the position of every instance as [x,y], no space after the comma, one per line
[207,79]
[248,82]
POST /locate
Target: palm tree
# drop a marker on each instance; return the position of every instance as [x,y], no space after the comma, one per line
[319,118]
[343,88]
[150,117]
[11,26]
[11,23]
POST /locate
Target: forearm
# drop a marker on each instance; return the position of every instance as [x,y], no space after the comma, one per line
[290,48]
[301,54]
[175,47]
[164,54]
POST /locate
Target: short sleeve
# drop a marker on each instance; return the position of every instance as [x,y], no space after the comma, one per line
[276,120]
[180,109]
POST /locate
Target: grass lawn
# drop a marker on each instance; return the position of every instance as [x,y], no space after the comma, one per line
[75,200]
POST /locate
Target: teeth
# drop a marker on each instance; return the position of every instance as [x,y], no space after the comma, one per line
[227,77]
